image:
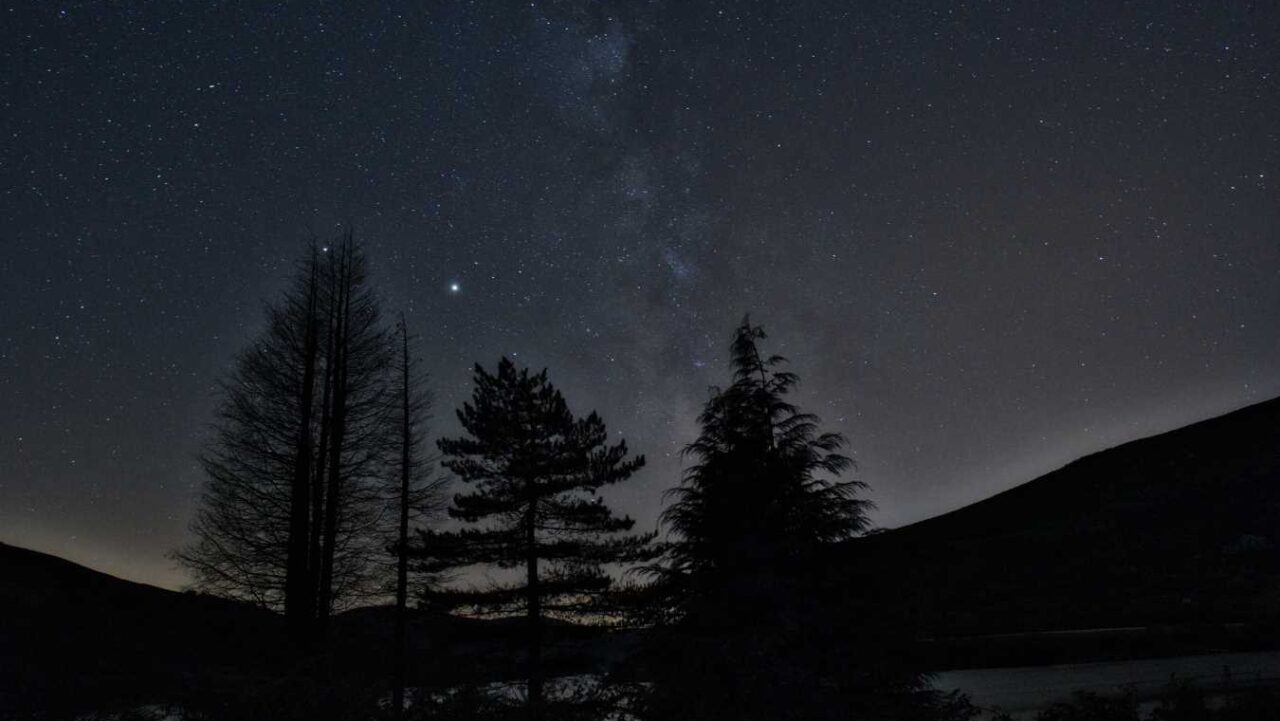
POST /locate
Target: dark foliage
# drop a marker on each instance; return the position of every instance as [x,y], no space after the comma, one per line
[749,628]
[762,491]
[1181,701]
[536,471]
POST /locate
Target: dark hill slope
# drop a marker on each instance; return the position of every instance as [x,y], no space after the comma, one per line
[1179,528]
[69,633]
[74,640]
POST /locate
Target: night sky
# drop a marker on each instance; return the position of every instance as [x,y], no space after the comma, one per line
[991,237]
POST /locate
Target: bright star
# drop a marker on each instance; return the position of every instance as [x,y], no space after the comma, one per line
[455,287]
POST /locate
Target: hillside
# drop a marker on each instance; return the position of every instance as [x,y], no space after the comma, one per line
[73,640]
[70,633]
[1178,529]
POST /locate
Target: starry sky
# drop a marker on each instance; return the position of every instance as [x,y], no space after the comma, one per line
[991,237]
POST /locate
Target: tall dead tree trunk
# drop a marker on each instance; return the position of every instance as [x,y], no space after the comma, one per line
[400,671]
[316,551]
[299,600]
[333,487]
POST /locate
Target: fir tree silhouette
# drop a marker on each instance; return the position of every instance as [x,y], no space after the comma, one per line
[749,627]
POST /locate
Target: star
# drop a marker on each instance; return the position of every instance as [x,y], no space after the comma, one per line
[455,287]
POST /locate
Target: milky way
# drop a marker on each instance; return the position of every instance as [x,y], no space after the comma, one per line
[990,239]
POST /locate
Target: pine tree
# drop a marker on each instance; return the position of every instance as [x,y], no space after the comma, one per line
[535,470]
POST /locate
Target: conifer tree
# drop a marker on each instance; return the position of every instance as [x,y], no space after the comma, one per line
[535,471]
[742,624]
[764,487]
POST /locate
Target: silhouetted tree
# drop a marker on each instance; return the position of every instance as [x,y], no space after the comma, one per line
[293,505]
[749,625]
[535,470]
[762,490]
[419,494]
[358,440]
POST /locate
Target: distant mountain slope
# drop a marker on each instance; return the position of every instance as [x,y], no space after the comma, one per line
[74,640]
[68,632]
[1178,528]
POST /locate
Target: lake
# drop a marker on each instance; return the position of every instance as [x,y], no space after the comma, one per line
[1025,690]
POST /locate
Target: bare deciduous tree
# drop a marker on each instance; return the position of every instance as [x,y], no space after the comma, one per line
[294,514]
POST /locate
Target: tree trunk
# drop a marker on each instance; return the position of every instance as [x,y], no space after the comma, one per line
[298,600]
[338,421]
[534,606]
[402,558]
[322,451]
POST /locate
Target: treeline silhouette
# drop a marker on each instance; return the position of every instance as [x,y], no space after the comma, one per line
[318,470]
[347,566]
[380,574]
